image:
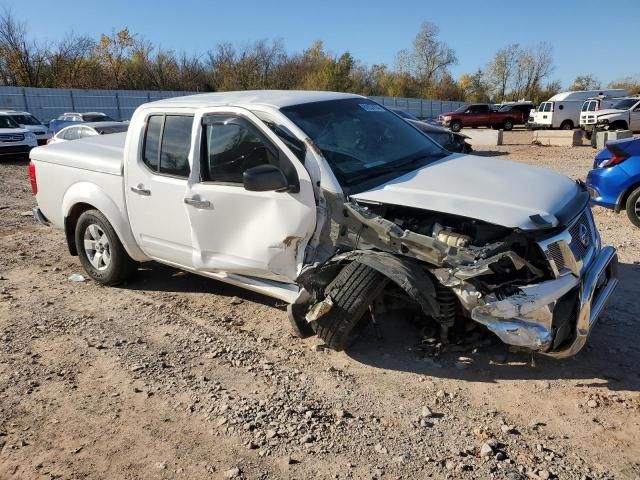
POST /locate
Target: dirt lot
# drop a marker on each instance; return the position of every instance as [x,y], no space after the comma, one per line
[177,376]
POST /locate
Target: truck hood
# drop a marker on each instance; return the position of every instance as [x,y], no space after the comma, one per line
[495,191]
[609,111]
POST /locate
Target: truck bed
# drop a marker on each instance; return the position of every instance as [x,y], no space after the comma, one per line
[88,170]
[103,154]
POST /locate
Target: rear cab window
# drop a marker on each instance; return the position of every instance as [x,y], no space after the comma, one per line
[166,145]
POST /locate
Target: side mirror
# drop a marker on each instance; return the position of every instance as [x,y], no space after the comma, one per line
[264,178]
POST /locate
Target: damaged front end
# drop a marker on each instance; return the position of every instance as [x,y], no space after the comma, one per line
[541,291]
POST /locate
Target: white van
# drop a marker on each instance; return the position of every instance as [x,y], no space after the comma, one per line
[563,109]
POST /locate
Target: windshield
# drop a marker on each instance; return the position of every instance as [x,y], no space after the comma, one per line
[404,114]
[625,104]
[26,119]
[97,117]
[112,129]
[362,140]
[7,122]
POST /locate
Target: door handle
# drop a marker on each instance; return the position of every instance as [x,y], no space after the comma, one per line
[141,191]
[197,203]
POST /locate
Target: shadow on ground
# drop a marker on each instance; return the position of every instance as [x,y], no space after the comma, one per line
[612,354]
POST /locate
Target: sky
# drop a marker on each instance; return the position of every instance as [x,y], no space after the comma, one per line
[606,45]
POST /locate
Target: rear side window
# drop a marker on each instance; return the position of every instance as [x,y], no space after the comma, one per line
[166,144]
[151,155]
[232,146]
[71,134]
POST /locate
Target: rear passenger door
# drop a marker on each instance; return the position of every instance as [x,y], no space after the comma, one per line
[155,185]
[478,116]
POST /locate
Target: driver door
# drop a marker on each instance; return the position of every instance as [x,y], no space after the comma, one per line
[249,233]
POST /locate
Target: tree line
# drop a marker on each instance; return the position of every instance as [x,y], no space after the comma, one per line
[124,60]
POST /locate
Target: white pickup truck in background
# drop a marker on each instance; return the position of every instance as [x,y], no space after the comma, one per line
[336,205]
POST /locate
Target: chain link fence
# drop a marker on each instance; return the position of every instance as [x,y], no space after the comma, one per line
[49,103]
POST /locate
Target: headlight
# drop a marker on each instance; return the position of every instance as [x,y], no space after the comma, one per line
[446,119]
[29,136]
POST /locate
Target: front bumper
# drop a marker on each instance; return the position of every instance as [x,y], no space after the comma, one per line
[14,150]
[527,319]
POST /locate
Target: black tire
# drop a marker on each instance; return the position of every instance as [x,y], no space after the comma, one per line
[296,313]
[352,291]
[566,125]
[456,126]
[633,207]
[507,126]
[618,126]
[120,265]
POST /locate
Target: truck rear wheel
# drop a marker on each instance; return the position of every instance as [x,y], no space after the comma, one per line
[633,207]
[456,126]
[352,291]
[566,125]
[100,251]
[507,125]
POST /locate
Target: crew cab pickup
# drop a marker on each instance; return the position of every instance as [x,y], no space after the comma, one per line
[337,206]
[482,115]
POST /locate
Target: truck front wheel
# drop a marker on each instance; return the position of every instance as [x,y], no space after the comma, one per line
[633,207]
[100,250]
[456,126]
[352,291]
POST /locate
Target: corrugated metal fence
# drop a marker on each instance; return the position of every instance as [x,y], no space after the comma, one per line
[49,103]
[418,107]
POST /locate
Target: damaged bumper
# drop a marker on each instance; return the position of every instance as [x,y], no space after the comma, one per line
[527,318]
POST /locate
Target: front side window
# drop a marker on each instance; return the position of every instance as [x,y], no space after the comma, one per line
[232,145]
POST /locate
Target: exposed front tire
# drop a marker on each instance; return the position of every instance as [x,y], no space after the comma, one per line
[633,207]
[456,126]
[352,291]
[100,251]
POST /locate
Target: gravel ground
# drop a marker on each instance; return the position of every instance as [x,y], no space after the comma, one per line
[177,376]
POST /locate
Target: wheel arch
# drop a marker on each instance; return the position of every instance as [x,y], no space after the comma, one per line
[621,203]
[405,272]
[84,196]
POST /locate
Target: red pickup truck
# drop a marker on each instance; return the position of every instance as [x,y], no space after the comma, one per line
[485,115]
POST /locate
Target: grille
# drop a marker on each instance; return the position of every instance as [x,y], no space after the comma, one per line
[11,137]
[555,254]
[580,231]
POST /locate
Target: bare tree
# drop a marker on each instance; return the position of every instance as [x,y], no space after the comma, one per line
[21,61]
[429,59]
[500,71]
[585,82]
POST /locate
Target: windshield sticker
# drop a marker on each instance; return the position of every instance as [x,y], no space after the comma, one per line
[371,107]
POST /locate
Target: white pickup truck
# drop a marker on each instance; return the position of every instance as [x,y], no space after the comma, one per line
[336,205]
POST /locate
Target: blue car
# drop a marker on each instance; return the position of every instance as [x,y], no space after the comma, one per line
[614,182]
